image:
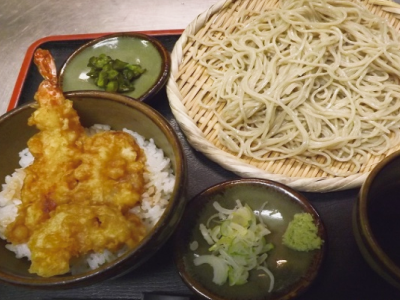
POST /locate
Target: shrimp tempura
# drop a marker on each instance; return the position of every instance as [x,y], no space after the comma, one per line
[77,194]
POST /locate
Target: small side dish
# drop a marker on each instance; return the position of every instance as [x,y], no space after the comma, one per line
[229,244]
[128,47]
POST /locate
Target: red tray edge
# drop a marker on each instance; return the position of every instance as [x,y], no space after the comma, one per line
[31,49]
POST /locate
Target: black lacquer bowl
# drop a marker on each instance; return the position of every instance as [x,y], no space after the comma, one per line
[376,216]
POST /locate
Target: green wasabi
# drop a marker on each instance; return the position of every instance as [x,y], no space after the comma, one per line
[301,234]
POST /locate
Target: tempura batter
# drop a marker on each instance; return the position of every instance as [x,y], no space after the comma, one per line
[78,192]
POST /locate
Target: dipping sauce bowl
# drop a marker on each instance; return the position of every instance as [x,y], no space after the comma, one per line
[376,218]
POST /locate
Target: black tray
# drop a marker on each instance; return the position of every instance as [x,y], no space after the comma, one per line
[344,275]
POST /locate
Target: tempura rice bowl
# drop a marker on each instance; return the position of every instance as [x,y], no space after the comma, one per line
[120,113]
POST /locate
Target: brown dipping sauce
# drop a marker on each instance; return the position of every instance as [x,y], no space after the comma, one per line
[384,216]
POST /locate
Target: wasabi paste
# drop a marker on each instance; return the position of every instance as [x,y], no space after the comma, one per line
[301,234]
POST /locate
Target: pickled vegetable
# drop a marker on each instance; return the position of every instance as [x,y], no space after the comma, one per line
[113,75]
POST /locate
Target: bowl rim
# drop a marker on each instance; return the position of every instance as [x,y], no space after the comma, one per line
[162,76]
[150,243]
[365,231]
[300,287]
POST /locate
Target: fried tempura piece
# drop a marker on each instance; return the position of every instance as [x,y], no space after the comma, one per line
[77,194]
[78,228]
[111,169]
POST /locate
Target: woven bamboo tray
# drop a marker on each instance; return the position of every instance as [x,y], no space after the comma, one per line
[186,86]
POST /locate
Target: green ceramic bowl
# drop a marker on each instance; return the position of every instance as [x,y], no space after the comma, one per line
[131,47]
[376,218]
[294,271]
[119,112]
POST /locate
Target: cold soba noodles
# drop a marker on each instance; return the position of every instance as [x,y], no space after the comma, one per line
[317,81]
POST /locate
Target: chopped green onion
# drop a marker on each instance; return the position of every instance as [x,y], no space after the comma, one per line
[220,267]
[237,245]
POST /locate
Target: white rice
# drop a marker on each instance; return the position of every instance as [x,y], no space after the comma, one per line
[159,183]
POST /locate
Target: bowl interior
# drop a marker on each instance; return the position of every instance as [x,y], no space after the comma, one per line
[134,48]
[293,270]
[12,125]
[120,113]
[378,214]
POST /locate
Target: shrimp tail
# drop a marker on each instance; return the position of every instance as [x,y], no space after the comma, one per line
[49,93]
[45,64]
[54,113]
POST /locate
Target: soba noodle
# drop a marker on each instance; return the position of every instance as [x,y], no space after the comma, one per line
[313,80]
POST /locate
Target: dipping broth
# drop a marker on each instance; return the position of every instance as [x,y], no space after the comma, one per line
[384,216]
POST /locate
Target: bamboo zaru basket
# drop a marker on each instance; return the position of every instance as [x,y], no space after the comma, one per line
[188,82]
